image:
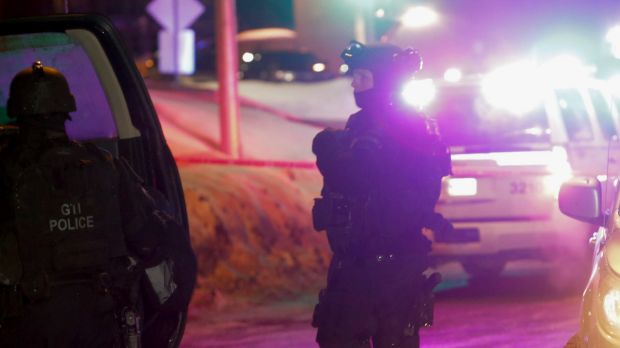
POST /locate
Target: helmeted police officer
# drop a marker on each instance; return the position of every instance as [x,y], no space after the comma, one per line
[79,234]
[382,178]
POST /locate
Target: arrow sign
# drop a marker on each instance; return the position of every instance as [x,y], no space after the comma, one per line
[176,43]
[165,11]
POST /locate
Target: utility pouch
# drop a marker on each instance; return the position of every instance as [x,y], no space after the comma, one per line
[11,302]
[330,212]
[321,213]
[425,309]
[426,302]
[36,288]
[319,308]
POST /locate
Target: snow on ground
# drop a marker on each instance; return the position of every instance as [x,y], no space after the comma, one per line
[263,135]
[251,230]
[327,101]
[515,311]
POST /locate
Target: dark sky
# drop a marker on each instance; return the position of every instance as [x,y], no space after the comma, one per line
[264,13]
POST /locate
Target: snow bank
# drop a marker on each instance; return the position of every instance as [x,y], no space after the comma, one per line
[328,101]
[252,233]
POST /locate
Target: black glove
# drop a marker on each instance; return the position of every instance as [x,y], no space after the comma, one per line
[438,224]
[145,239]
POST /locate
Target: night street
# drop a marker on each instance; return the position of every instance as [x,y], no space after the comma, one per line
[518,310]
[522,308]
[228,173]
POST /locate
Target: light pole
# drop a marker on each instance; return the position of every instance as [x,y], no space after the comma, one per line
[364,23]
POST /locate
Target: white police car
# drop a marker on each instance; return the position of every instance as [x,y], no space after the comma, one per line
[513,144]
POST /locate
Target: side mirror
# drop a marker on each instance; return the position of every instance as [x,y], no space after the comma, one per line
[580,198]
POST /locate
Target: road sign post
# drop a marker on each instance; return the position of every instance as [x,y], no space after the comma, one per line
[176,42]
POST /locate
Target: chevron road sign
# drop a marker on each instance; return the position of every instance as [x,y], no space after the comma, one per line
[176,42]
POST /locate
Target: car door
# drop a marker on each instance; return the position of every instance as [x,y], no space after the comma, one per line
[114,107]
[589,124]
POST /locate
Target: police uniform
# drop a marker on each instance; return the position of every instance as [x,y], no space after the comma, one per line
[382,178]
[79,232]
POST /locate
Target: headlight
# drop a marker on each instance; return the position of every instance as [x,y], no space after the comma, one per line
[318,67]
[611,307]
[608,299]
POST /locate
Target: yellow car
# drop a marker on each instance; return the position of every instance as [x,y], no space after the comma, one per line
[589,201]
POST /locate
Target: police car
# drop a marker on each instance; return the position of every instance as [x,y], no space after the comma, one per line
[597,202]
[513,144]
[114,111]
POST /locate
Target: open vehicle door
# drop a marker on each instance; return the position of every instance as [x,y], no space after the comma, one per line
[114,111]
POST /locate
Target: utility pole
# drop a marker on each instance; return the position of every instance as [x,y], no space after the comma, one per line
[227,69]
[364,21]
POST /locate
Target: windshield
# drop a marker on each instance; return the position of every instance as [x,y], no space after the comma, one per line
[602,110]
[464,118]
[93,118]
[288,60]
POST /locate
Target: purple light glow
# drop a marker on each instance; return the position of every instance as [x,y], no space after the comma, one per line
[93,118]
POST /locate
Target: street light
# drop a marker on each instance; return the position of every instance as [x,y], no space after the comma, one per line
[247,57]
[419,17]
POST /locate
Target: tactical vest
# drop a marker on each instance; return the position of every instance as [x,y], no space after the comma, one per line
[67,217]
[388,178]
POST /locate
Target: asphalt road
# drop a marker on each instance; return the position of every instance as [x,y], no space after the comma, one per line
[520,309]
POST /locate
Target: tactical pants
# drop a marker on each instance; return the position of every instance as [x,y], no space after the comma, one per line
[368,300]
[73,316]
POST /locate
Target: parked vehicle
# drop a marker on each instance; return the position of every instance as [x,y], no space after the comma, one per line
[583,199]
[114,111]
[509,162]
[283,66]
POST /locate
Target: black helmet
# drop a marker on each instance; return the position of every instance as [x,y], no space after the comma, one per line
[39,90]
[388,63]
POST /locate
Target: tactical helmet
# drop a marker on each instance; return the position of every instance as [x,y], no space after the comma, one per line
[39,90]
[388,63]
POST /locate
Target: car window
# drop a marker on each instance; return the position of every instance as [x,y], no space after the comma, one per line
[466,119]
[574,115]
[93,119]
[615,99]
[603,114]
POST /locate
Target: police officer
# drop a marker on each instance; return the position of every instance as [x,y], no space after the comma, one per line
[78,232]
[382,178]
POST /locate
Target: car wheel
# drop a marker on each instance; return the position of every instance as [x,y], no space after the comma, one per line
[484,268]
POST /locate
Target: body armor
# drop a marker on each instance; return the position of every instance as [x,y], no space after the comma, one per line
[382,179]
[67,217]
[64,215]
